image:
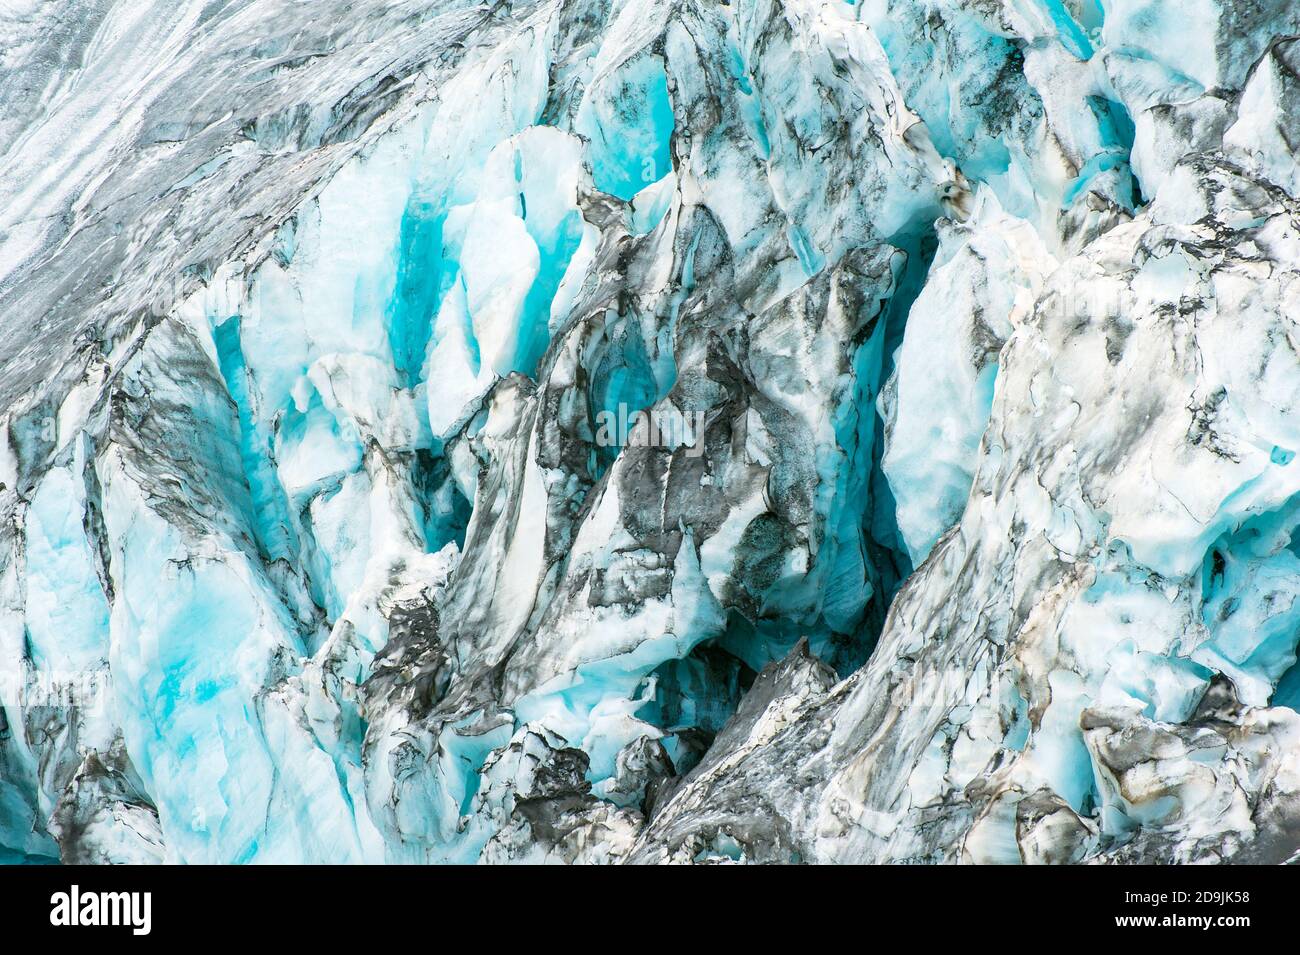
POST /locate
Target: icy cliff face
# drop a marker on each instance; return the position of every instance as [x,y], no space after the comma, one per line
[948,514]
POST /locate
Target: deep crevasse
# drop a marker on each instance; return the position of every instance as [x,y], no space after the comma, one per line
[996,292]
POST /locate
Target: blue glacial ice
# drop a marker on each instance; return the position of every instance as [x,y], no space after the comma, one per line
[972,538]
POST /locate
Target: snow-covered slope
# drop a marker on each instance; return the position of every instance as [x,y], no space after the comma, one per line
[947,515]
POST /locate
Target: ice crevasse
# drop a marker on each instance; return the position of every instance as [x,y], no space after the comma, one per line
[970,538]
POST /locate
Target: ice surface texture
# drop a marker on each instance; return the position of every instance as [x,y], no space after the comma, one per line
[975,542]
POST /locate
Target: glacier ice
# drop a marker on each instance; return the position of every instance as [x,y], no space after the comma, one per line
[973,538]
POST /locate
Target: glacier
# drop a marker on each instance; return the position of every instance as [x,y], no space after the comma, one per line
[973,537]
